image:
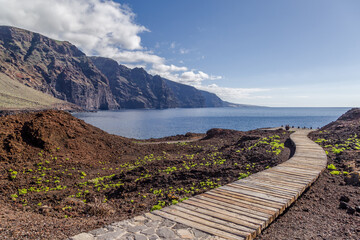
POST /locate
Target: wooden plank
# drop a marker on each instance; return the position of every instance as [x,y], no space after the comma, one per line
[263,188]
[270,186]
[242,203]
[200,226]
[248,198]
[280,184]
[276,192]
[294,175]
[250,201]
[255,194]
[297,170]
[221,218]
[248,221]
[172,210]
[284,177]
[280,181]
[309,156]
[232,207]
[302,175]
[316,163]
[301,166]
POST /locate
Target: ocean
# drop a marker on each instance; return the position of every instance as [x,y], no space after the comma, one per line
[145,124]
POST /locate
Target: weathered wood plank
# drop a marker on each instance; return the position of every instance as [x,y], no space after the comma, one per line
[243,203]
[207,209]
[274,186]
[267,189]
[256,189]
[223,217]
[253,194]
[252,199]
[200,226]
[233,208]
[173,211]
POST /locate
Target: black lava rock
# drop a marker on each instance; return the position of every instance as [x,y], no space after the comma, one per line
[344,198]
[343,205]
[357,208]
[350,210]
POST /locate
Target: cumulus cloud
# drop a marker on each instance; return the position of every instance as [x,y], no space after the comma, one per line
[195,78]
[91,24]
[98,27]
[106,28]
[236,95]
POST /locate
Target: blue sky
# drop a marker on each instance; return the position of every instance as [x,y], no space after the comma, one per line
[273,53]
[306,52]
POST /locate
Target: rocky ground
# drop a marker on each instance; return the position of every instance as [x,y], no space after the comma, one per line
[330,209]
[61,176]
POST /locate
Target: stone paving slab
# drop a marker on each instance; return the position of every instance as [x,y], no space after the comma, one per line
[145,227]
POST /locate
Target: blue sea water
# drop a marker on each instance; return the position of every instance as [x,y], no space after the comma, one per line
[144,124]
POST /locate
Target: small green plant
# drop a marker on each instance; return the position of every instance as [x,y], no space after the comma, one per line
[13,174]
[66,207]
[331,167]
[158,206]
[243,175]
[14,197]
[337,150]
[22,191]
[335,172]
[155,207]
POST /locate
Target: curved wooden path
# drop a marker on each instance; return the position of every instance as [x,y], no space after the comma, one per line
[242,209]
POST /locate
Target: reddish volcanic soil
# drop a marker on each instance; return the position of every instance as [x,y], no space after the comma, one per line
[61,176]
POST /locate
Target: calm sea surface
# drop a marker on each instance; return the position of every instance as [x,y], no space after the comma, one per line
[144,124]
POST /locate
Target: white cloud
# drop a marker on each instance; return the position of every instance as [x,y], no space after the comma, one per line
[236,95]
[195,78]
[184,51]
[90,24]
[98,27]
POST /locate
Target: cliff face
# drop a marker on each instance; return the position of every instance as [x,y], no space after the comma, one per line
[54,67]
[135,88]
[63,71]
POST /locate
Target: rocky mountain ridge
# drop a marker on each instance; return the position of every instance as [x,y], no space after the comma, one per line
[60,69]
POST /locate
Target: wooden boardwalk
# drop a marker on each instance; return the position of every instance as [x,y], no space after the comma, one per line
[242,209]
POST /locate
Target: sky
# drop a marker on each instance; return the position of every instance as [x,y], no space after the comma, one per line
[276,53]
